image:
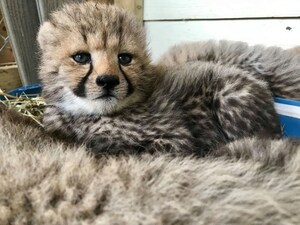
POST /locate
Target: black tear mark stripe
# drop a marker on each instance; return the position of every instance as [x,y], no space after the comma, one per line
[130,86]
[80,89]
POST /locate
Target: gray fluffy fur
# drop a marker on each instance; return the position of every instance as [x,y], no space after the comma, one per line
[44,181]
[280,68]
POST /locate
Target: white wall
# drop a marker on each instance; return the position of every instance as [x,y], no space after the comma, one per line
[268,22]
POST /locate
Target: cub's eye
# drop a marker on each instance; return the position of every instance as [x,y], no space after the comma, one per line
[125,58]
[82,58]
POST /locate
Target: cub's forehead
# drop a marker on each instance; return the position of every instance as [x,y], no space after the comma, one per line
[86,15]
[91,17]
[90,22]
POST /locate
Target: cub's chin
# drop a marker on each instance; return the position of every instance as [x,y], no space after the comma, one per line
[102,105]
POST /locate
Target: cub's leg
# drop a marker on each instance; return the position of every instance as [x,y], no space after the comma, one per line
[244,105]
[218,103]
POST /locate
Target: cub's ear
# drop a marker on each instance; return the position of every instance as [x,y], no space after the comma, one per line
[46,35]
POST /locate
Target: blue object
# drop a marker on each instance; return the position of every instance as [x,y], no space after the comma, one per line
[31,91]
[289,116]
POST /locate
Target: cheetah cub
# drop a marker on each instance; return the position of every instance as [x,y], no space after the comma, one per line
[103,91]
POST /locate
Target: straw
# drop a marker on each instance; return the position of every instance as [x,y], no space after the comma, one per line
[29,107]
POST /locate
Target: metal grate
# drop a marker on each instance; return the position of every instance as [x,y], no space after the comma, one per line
[3,40]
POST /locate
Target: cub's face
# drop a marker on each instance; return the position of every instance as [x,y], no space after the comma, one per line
[93,59]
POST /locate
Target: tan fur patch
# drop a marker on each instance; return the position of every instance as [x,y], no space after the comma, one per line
[44,181]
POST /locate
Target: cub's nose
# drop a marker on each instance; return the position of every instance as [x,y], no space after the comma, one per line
[107,81]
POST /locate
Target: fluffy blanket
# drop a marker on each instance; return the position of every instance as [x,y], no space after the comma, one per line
[45,181]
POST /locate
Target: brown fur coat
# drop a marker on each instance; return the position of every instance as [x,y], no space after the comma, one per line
[43,181]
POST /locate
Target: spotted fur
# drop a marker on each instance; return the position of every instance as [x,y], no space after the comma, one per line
[43,181]
[186,108]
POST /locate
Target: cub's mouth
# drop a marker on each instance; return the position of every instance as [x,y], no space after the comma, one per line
[106,96]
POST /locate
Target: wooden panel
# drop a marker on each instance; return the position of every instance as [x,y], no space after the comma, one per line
[22,24]
[47,6]
[284,33]
[9,77]
[203,9]
[135,6]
